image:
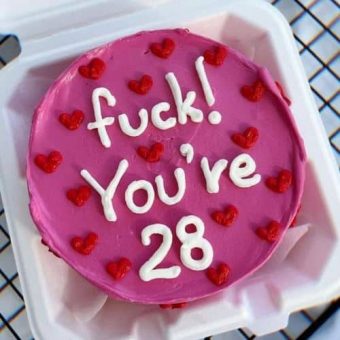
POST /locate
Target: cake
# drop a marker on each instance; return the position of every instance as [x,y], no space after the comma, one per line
[164,167]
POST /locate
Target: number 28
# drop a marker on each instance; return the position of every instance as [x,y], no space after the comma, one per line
[148,272]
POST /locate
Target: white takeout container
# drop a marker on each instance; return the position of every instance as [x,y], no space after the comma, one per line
[51,39]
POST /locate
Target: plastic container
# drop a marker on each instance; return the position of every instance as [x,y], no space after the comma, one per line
[309,275]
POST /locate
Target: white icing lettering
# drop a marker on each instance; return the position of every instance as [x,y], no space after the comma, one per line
[100,123]
[157,120]
[212,176]
[184,108]
[163,196]
[128,129]
[132,188]
[107,194]
[243,166]
[147,271]
[194,240]
[187,151]
[214,118]
[209,97]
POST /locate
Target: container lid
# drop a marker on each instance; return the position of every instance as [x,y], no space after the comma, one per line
[40,18]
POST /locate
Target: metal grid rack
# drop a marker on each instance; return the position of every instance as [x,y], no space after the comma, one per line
[316,29]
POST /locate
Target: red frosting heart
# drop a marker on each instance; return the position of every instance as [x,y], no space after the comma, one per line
[282,93]
[152,154]
[226,217]
[79,196]
[85,245]
[163,50]
[247,139]
[141,86]
[93,70]
[253,92]
[269,233]
[119,269]
[49,163]
[281,183]
[216,56]
[220,275]
[173,305]
[72,121]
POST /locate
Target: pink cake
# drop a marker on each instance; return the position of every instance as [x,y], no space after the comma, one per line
[164,167]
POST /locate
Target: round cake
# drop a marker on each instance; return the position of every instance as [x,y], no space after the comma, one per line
[164,167]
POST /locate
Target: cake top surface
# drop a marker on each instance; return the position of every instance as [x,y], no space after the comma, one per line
[173,110]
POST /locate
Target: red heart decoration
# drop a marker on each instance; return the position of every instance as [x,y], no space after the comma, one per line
[93,70]
[49,163]
[269,233]
[152,154]
[220,275]
[216,56]
[163,50]
[247,139]
[119,269]
[253,92]
[226,217]
[72,121]
[173,305]
[141,86]
[85,245]
[281,183]
[282,93]
[79,196]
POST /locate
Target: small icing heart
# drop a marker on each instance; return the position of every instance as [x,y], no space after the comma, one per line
[119,268]
[216,56]
[93,70]
[72,121]
[163,50]
[49,163]
[141,86]
[269,233]
[152,154]
[220,275]
[187,151]
[79,196]
[247,139]
[173,305]
[253,92]
[226,217]
[85,245]
[281,183]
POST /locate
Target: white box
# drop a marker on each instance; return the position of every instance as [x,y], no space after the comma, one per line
[51,39]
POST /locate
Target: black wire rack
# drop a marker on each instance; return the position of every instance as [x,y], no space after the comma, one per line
[316,30]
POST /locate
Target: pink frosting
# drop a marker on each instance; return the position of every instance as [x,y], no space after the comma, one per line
[58,220]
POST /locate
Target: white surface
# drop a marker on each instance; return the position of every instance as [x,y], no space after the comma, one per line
[309,275]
